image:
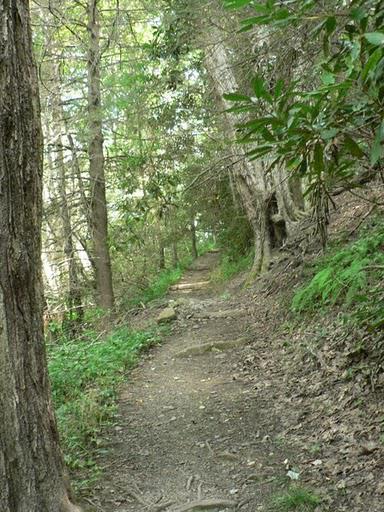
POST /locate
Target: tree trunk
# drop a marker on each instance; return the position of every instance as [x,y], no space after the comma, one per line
[175,255]
[73,298]
[105,297]
[194,251]
[248,177]
[75,313]
[31,464]
[161,256]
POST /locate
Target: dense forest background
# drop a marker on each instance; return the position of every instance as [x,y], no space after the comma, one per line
[142,106]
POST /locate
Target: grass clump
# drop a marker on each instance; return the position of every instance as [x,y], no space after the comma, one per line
[350,277]
[160,283]
[231,265]
[159,286]
[296,499]
[85,374]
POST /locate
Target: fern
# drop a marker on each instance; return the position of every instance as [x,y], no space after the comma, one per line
[347,277]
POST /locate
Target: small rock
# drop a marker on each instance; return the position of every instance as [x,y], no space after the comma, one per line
[341,485]
[167,315]
[293,475]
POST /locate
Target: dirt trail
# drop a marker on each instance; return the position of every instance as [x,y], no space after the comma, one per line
[259,402]
[189,430]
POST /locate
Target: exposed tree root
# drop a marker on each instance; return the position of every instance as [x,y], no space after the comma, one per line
[160,508]
[67,506]
[205,505]
[234,313]
[189,286]
[197,350]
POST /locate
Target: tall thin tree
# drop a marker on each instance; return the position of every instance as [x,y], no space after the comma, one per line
[99,215]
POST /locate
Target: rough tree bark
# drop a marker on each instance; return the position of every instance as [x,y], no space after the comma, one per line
[31,464]
[248,177]
[99,218]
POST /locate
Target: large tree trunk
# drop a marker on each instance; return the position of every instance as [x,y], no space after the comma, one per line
[105,297]
[248,177]
[31,464]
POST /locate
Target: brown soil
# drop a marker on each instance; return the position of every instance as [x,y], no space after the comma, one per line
[221,429]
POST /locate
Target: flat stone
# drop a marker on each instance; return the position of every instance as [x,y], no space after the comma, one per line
[167,315]
[229,313]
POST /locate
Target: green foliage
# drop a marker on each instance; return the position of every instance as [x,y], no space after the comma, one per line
[159,287]
[206,246]
[324,123]
[85,374]
[231,265]
[160,284]
[350,277]
[296,499]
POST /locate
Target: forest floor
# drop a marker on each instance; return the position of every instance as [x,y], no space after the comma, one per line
[238,409]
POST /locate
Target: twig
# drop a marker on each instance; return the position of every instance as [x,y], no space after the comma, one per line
[210,448]
[134,494]
[88,500]
[362,220]
[242,503]
[189,483]
[138,498]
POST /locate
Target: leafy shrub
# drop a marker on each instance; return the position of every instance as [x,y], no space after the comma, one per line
[322,121]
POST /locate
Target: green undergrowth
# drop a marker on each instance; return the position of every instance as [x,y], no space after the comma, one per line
[160,283]
[350,277]
[231,265]
[158,287]
[296,499]
[85,375]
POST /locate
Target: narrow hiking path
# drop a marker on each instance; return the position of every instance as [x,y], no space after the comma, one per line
[227,410]
[190,431]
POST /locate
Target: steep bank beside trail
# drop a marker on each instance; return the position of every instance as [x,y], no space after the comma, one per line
[241,410]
